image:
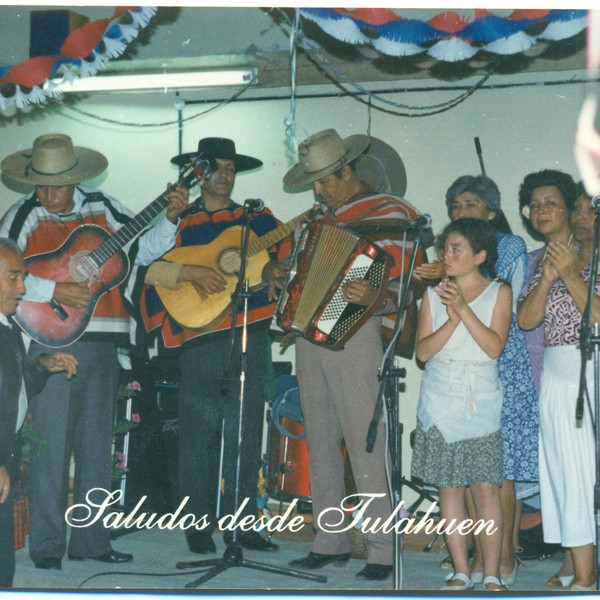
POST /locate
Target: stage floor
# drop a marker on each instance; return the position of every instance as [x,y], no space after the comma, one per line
[157,552]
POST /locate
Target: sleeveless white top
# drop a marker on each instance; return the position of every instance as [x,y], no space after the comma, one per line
[460,390]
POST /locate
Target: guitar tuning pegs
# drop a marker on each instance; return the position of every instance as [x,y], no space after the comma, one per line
[212,163]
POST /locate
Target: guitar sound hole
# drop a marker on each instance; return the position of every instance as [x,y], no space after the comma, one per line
[82,268]
[229,261]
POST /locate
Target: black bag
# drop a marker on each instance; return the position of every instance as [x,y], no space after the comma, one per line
[531,538]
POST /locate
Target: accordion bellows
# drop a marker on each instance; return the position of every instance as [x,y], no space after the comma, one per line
[325,257]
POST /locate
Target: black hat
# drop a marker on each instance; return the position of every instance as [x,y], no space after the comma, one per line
[219,148]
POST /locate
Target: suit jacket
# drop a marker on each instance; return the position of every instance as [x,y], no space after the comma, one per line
[13,370]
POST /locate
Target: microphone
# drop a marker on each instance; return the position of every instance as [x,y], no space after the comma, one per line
[595,203]
[255,204]
[421,222]
[479,155]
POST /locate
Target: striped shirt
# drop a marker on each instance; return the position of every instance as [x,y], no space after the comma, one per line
[198,227]
[380,218]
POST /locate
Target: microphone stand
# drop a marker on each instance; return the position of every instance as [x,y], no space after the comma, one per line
[233,556]
[587,343]
[389,390]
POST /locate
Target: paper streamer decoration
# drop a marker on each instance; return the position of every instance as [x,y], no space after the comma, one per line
[448,36]
[82,54]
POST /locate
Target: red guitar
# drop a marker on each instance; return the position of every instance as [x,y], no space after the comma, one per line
[103,268]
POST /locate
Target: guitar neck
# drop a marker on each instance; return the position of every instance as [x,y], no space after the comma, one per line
[195,171]
[129,231]
[276,235]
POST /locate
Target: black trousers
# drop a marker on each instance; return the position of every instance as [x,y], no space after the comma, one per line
[7,543]
[204,411]
[7,526]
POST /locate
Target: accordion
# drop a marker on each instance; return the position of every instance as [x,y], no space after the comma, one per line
[325,257]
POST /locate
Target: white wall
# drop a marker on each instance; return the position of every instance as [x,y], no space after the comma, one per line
[522,129]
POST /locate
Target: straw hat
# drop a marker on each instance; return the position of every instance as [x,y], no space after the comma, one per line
[323,153]
[222,148]
[383,168]
[54,160]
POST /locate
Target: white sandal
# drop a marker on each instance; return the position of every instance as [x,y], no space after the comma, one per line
[490,579]
[559,582]
[467,583]
[512,576]
[577,587]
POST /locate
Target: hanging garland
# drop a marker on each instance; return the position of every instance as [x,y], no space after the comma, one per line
[448,36]
[84,51]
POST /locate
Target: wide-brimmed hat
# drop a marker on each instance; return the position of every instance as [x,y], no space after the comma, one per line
[323,153]
[219,148]
[381,166]
[54,160]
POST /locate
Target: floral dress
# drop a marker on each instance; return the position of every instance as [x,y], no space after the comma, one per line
[519,417]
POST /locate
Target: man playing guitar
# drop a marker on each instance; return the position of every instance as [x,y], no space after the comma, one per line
[73,416]
[209,382]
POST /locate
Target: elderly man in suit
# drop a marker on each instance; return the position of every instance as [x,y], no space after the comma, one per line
[16,379]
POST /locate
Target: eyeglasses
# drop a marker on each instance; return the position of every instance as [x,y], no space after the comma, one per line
[536,208]
[549,206]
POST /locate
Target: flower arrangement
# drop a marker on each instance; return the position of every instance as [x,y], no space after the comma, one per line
[133,388]
[123,426]
[119,466]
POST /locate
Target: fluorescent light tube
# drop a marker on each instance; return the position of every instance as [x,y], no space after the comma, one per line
[157,81]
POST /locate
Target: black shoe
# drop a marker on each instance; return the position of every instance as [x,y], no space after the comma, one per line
[373,571]
[201,543]
[251,540]
[315,561]
[112,556]
[48,563]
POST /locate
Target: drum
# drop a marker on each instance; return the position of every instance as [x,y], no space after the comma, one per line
[287,475]
[287,466]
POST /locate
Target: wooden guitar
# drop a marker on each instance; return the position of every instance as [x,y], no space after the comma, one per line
[90,254]
[195,309]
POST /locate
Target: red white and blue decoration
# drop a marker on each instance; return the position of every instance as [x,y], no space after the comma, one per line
[448,36]
[82,54]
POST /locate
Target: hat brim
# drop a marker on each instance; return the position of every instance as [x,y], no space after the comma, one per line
[354,144]
[383,168]
[89,164]
[241,161]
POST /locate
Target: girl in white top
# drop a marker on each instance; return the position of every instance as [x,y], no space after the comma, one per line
[463,328]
